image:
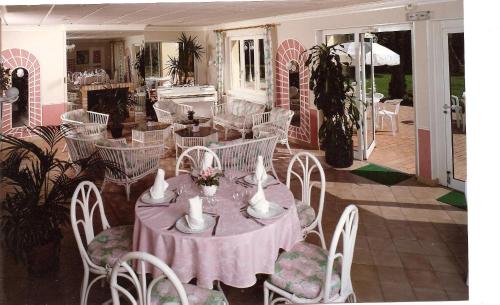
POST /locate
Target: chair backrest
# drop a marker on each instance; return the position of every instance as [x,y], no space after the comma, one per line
[242,156]
[81,139]
[132,161]
[81,116]
[162,111]
[194,155]
[242,107]
[377,96]
[82,212]
[347,227]
[305,165]
[127,265]
[396,103]
[454,100]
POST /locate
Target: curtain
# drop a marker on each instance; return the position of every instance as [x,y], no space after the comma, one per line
[219,61]
[118,61]
[268,62]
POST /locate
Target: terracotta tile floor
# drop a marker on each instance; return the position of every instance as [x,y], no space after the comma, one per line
[409,246]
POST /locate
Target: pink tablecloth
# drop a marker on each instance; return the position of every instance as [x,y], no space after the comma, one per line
[240,249]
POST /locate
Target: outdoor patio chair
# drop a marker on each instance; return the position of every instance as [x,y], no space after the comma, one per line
[165,288]
[99,250]
[302,166]
[457,108]
[194,157]
[81,140]
[135,163]
[310,274]
[393,116]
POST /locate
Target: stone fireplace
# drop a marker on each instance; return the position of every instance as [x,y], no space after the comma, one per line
[19,58]
[305,129]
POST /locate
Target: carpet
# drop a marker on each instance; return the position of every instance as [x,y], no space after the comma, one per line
[379,174]
[454,198]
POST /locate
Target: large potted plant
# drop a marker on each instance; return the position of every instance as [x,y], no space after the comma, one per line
[38,187]
[140,66]
[182,67]
[333,96]
[117,104]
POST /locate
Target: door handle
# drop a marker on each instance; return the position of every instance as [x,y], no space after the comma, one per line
[445,108]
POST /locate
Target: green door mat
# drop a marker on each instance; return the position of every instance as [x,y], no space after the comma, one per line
[382,175]
[454,198]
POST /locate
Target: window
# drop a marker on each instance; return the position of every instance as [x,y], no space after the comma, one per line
[157,55]
[247,65]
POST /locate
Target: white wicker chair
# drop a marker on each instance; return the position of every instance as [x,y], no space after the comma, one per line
[81,139]
[134,162]
[310,220]
[81,116]
[194,157]
[297,281]
[241,156]
[165,286]
[82,212]
[237,115]
[182,143]
[276,121]
[162,110]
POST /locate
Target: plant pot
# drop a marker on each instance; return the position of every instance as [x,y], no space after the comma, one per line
[116,132]
[209,191]
[44,259]
[340,153]
[196,128]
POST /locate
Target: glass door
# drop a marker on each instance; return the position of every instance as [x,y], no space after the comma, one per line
[454,109]
[367,107]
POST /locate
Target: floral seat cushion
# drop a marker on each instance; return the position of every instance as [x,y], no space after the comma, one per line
[302,271]
[110,244]
[164,293]
[306,213]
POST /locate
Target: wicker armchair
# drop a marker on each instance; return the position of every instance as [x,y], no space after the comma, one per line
[277,121]
[167,111]
[134,162]
[81,140]
[236,115]
[81,116]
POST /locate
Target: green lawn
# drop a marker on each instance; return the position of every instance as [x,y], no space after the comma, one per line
[382,84]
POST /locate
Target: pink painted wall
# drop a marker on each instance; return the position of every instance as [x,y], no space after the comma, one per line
[51,114]
[424,154]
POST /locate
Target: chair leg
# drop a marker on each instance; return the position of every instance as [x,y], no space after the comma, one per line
[103,185]
[85,287]
[225,133]
[321,236]
[393,126]
[243,133]
[382,122]
[266,294]
[288,146]
[127,190]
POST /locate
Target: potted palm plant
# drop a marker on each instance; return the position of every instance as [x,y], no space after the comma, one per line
[38,186]
[333,96]
[182,67]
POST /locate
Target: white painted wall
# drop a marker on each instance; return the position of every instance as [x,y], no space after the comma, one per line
[48,44]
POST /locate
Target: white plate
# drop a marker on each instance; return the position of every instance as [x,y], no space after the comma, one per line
[182,225]
[275,211]
[167,196]
[251,179]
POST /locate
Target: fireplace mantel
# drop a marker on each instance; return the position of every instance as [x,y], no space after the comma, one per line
[85,89]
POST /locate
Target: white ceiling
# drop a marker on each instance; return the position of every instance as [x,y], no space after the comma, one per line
[162,14]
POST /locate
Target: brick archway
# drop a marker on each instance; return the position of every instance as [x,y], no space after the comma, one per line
[291,50]
[19,58]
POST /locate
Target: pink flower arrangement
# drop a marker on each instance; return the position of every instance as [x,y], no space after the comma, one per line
[209,176]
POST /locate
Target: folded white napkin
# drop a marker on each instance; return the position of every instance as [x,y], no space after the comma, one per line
[258,201]
[194,218]
[157,191]
[260,170]
[208,159]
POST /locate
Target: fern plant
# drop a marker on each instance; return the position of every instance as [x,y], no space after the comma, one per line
[38,187]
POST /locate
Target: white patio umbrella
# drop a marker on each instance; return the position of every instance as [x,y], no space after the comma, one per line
[381,55]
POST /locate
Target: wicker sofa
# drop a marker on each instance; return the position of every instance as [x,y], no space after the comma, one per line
[236,114]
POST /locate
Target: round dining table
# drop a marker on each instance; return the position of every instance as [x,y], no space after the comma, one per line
[234,250]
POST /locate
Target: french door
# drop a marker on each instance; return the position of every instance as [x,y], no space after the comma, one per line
[363,75]
[454,105]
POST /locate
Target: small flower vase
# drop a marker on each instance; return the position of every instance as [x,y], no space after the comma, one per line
[209,190]
[196,128]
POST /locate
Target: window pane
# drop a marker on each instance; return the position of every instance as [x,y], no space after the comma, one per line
[235,64]
[249,47]
[262,66]
[169,53]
